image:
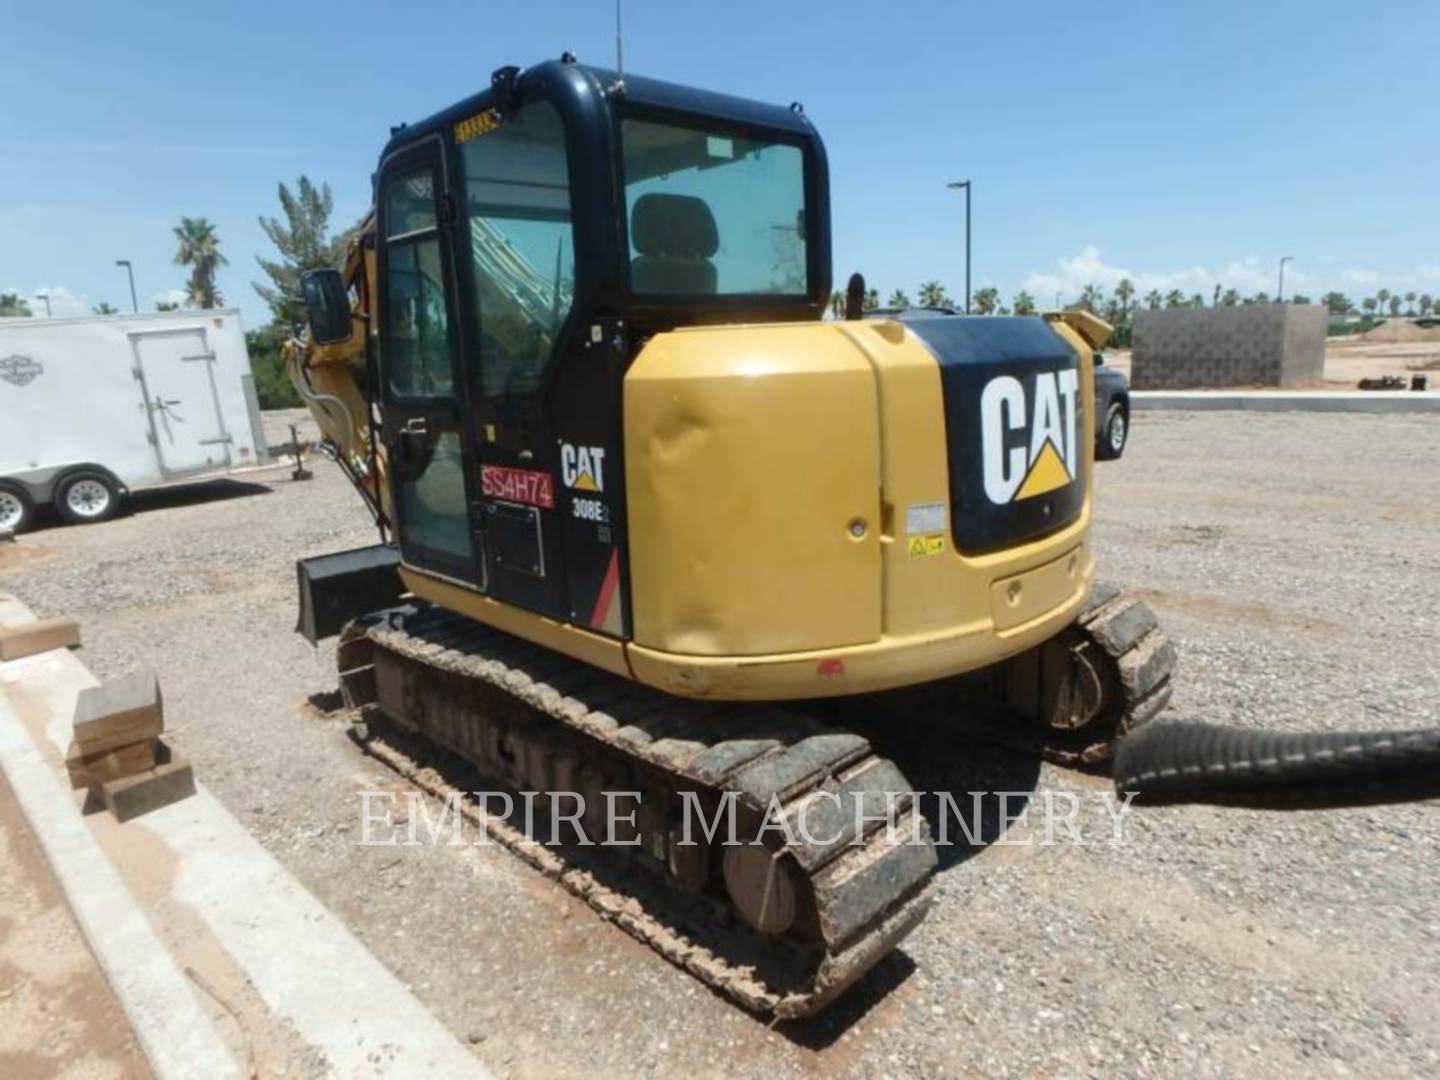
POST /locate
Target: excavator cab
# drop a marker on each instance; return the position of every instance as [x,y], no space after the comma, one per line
[527,241]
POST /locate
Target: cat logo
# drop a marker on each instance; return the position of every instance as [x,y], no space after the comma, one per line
[1028,447]
[582,467]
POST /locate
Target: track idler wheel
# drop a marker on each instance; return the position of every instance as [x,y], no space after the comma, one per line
[762,886]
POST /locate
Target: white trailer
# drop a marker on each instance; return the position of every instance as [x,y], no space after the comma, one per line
[93,407]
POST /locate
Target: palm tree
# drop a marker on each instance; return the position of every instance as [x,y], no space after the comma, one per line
[1410,303]
[105,309]
[1369,304]
[1153,300]
[1381,298]
[871,300]
[1124,290]
[932,294]
[1427,303]
[837,304]
[1395,304]
[1259,298]
[986,300]
[898,299]
[1174,298]
[200,250]
[1230,298]
[11,306]
[166,305]
[1197,299]
[1215,300]
[1024,303]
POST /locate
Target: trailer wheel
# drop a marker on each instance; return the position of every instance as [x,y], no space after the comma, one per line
[17,510]
[86,497]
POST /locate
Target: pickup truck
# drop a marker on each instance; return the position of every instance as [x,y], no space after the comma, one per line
[1112,410]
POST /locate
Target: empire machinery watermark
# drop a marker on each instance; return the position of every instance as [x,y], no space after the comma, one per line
[824,819]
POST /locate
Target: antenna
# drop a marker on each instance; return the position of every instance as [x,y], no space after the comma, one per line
[619,53]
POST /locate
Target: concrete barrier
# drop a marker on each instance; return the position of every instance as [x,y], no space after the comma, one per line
[1352,401]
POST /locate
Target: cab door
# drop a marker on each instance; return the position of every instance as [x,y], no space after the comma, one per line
[422,386]
[516,252]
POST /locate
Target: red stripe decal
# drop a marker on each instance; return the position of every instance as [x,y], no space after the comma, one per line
[607,590]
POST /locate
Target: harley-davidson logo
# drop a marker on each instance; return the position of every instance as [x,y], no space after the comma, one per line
[20,370]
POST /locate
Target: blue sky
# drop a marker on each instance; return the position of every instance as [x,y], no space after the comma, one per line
[1182,144]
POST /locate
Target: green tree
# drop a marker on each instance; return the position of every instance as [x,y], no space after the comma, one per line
[1300,298]
[304,242]
[1197,300]
[1409,303]
[199,249]
[1259,298]
[11,306]
[105,309]
[1370,303]
[1395,304]
[898,299]
[1382,298]
[166,305]
[1337,303]
[1427,304]
[933,295]
[1124,293]
[837,304]
[1230,298]
[272,385]
[1024,303]
[1153,300]
[871,301]
[1174,298]
[1215,300]
[986,300]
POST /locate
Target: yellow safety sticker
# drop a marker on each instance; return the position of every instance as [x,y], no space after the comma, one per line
[480,124]
[921,546]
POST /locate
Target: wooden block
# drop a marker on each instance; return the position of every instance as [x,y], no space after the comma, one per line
[89,769]
[26,639]
[120,712]
[132,796]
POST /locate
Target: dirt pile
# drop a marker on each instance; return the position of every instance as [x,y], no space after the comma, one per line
[1394,331]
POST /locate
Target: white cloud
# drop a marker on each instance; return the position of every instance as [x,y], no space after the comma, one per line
[1249,275]
[62,301]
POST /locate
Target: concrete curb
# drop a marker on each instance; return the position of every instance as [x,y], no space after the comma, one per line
[309,971]
[1354,401]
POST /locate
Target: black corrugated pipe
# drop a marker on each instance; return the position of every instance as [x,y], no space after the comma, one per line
[1188,762]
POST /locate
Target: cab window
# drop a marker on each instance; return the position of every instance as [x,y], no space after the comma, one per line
[416,352]
[521,244]
[713,213]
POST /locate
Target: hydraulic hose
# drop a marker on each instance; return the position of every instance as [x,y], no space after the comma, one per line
[1188,762]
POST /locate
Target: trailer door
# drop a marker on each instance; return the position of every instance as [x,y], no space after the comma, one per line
[176,369]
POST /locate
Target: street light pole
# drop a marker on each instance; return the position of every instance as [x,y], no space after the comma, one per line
[1280,292]
[134,304]
[953,187]
[46,298]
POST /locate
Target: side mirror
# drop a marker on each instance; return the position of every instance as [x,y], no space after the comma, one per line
[327,304]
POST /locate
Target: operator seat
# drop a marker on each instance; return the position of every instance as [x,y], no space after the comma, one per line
[675,236]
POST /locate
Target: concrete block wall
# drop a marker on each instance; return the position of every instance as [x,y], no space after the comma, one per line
[1249,345]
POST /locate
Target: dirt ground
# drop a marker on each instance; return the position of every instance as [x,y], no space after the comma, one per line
[58,1017]
[1349,359]
[1292,558]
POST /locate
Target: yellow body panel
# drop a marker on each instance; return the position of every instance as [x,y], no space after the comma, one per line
[941,613]
[752,480]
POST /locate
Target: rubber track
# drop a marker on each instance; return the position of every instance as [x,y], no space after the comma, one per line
[868,895]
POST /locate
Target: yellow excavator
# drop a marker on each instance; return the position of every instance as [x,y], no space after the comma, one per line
[645,515]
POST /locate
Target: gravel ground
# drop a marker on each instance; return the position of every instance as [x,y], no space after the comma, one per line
[1292,559]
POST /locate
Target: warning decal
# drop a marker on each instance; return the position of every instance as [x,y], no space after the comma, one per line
[920,546]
